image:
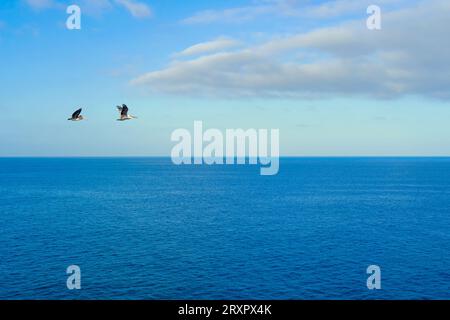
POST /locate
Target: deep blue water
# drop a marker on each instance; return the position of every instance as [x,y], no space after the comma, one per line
[142,228]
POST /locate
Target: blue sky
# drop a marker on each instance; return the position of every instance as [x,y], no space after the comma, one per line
[309,68]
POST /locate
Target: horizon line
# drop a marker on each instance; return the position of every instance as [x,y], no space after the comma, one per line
[165,156]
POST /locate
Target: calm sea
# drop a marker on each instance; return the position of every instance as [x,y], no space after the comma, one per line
[142,228]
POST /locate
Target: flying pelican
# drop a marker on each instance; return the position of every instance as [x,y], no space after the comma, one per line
[76,116]
[124,113]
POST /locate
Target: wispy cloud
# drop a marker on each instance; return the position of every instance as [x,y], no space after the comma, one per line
[137,9]
[208,47]
[285,8]
[407,57]
[336,8]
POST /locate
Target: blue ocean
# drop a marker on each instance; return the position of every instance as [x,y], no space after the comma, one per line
[143,228]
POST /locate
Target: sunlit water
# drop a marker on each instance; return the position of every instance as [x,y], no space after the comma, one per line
[143,228]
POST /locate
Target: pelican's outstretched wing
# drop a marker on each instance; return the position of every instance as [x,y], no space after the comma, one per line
[76,113]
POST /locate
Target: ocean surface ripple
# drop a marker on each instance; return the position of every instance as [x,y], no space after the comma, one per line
[143,228]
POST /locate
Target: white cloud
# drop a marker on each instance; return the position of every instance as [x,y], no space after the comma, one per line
[137,9]
[287,8]
[208,47]
[409,56]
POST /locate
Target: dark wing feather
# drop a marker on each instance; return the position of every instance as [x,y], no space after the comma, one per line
[76,113]
[124,110]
